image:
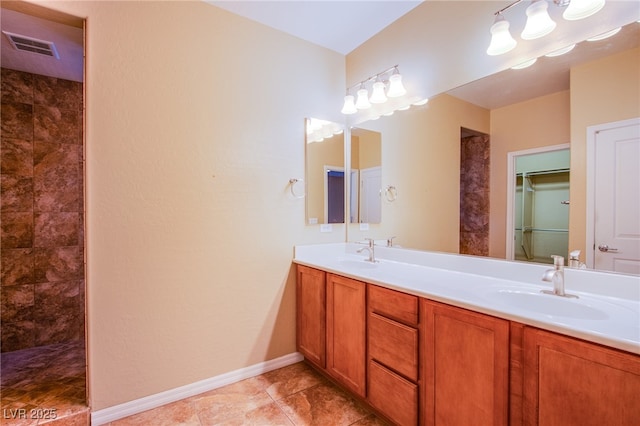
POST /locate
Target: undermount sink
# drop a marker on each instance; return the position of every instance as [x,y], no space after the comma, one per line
[549,304]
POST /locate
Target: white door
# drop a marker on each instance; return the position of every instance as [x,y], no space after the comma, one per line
[370,201]
[616,181]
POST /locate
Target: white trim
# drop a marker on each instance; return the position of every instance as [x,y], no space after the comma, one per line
[590,246]
[511,188]
[136,406]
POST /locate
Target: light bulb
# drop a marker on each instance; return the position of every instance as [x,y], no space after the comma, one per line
[580,9]
[501,40]
[349,106]
[539,23]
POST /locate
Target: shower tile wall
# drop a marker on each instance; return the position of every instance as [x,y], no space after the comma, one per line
[474,195]
[42,241]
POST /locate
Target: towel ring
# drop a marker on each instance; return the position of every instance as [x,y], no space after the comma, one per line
[390,193]
[293,182]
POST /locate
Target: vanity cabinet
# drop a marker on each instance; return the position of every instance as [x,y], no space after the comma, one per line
[568,381]
[346,332]
[311,314]
[393,354]
[466,366]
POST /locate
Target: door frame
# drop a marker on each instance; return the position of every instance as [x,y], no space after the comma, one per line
[511,189]
[590,234]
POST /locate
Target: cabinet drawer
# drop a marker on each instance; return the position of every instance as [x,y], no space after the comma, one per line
[394,396]
[394,304]
[394,345]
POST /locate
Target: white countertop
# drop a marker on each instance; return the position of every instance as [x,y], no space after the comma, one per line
[607,310]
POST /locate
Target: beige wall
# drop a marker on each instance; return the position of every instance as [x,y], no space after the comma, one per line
[602,91]
[194,126]
[536,123]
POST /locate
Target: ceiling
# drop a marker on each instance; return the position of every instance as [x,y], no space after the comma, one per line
[338,25]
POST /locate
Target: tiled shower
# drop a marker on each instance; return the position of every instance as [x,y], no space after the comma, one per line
[474,194]
[42,220]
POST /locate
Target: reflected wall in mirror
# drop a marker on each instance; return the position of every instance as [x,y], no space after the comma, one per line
[325,171]
[365,203]
[421,153]
[539,208]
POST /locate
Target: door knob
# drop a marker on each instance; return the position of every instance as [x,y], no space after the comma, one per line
[605,248]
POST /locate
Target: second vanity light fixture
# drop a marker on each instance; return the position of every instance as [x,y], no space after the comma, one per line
[381,90]
[539,23]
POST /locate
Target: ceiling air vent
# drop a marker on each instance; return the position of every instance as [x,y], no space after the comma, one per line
[33,45]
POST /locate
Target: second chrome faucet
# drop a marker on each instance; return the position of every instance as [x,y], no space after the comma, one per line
[556,276]
[371,249]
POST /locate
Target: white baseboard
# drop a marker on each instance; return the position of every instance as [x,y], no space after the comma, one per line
[120,411]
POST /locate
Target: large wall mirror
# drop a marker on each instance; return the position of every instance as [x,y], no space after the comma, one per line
[366,176]
[325,172]
[516,110]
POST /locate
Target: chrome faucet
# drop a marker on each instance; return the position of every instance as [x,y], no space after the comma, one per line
[556,276]
[371,249]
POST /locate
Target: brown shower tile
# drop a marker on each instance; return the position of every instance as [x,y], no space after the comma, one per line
[53,124]
[16,413]
[54,229]
[58,264]
[57,310]
[16,121]
[16,156]
[269,414]
[17,303]
[17,86]
[17,266]
[474,217]
[231,401]
[322,405]
[56,167]
[288,380]
[177,413]
[57,92]
[475,243]
[17,193]
[81,418]
[17,335]
[17,230]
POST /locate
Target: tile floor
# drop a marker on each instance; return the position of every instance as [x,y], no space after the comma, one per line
[295,395]
[53,377]
[45,381]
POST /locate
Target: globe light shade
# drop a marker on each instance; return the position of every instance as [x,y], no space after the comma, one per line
[580,9]
[501,40]
[378,96]
[349,106]
[539,23]
[396,88]
[362,101]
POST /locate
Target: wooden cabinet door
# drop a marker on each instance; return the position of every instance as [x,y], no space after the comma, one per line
[572,382]
[466,367]
[346,320]
[311,314]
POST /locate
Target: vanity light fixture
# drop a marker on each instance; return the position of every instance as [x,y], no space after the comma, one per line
[539,23]
[393,86]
